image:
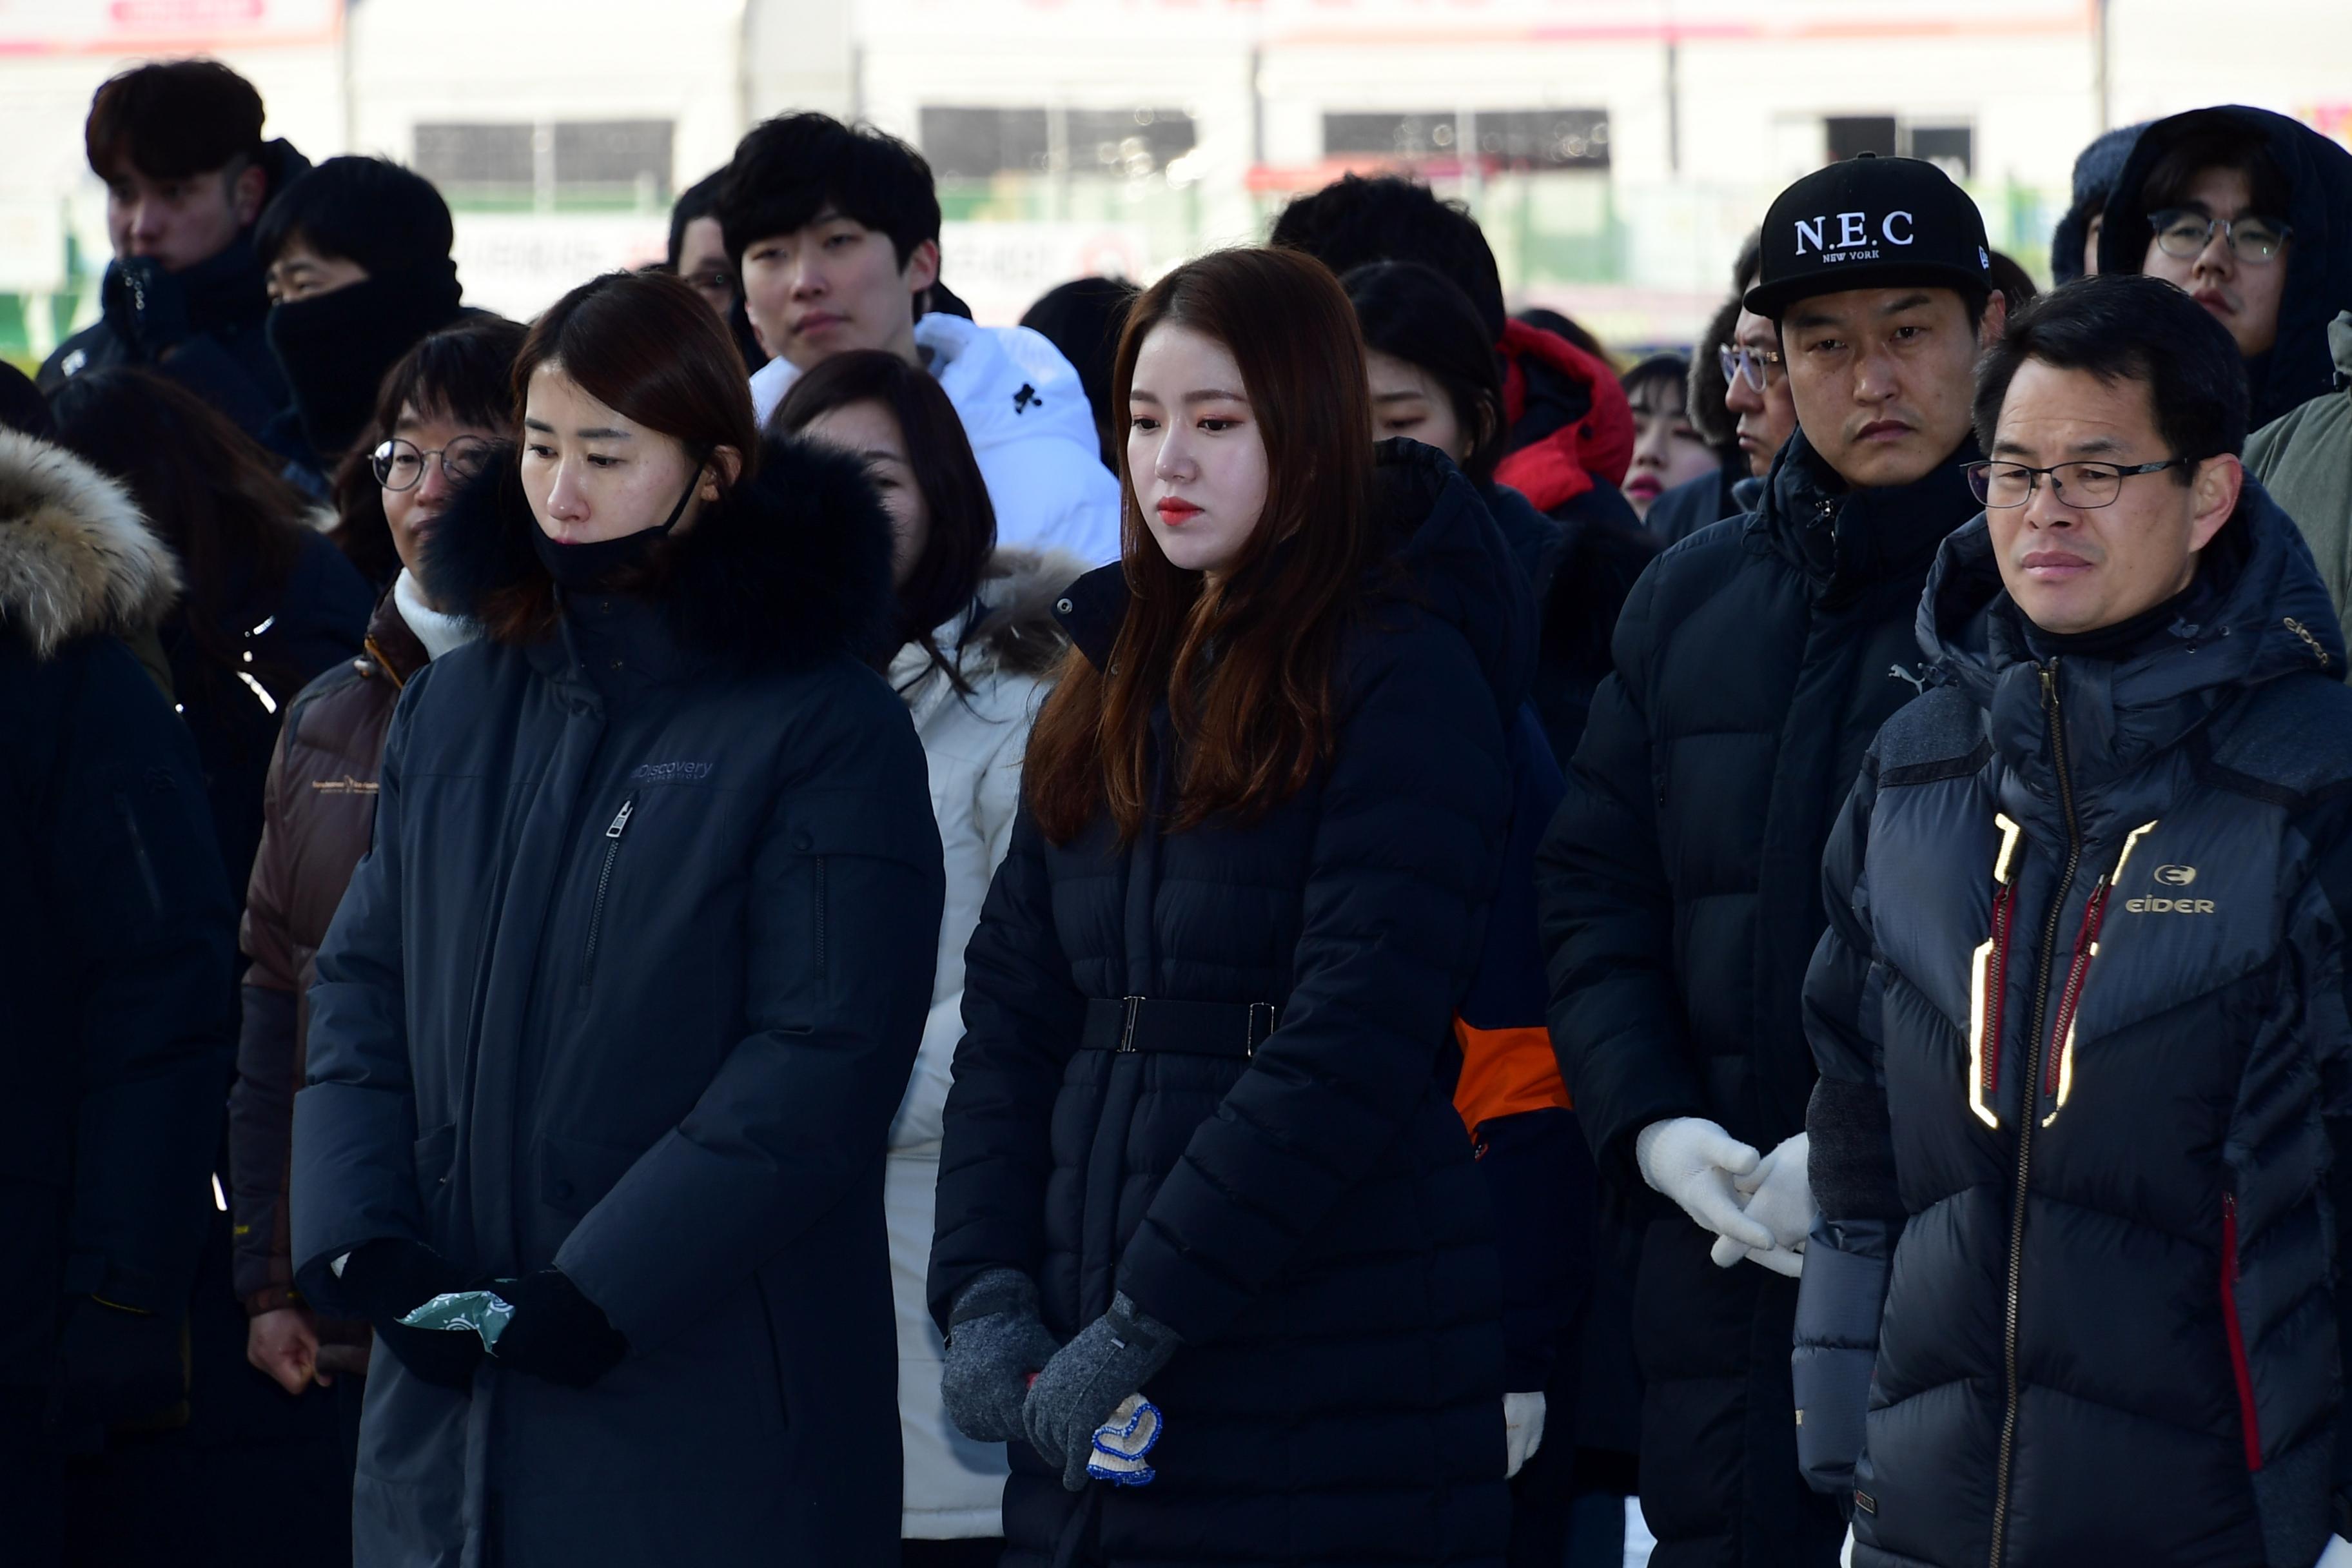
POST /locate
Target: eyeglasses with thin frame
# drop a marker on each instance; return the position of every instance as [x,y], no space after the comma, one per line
[1754,366]
[2083,486]
[400,465]
[712,282]
[2183,233]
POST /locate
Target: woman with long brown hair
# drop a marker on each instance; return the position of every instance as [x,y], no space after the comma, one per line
[1201,1147]
[608,1030]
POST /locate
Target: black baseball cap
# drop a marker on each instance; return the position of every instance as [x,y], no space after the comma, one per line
[1869,223]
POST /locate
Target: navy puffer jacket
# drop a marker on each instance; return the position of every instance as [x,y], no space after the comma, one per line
[1307,1219]
[2080,1021]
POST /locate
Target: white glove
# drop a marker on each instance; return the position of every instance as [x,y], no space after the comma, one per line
[1780,1198]
[1523,1425]
[1845,1553]
[2338,1555]
[1694,1161]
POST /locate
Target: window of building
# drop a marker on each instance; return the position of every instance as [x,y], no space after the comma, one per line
[604,163]
[1531,140]
[1951,148]
[978,143]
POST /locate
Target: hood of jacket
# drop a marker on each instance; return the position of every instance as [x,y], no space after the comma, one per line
[1570,426]
[76,558]
[1015,628]
[2273,618]
[791,567]
[1451,561]
[150,310]
[1844,539]
[2318,171]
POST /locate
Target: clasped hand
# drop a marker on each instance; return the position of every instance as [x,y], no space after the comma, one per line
[1758,1207]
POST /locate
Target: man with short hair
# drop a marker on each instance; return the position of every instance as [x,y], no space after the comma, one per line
[835,233]
[179,145]
[2080,1011]
[1682,892]
[356,256]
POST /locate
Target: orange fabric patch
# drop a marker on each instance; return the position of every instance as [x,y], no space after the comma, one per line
[1506,1072]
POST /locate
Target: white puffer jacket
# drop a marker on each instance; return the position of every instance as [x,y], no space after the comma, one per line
[954,1486]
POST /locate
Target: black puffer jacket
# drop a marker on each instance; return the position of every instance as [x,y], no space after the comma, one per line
[1682,899]
[1307,1219]
[2081,1018]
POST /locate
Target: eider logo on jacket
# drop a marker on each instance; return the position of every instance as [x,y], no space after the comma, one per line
[2171,877]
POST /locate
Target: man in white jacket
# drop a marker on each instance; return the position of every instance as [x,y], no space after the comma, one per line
[835,235]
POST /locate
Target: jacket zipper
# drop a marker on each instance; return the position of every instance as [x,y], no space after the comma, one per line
[2239,1366]
[604,885]
[2055,720]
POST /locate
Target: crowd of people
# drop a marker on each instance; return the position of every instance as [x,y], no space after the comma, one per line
[1279,918]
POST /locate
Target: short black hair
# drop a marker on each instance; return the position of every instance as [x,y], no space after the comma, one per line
[2217,141]
[789,169]
[2127,327]
[367,210]
[1668,369]
[1567,328]
[1388,219]
[1084,318]
[700,199]
[173,119]
[2016,284]
[1415,314]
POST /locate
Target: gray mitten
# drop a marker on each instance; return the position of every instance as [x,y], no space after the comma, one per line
[995,1341]
[1088,1379]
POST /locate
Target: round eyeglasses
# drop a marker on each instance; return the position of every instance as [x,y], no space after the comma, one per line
[400,465]
[2083,486]
[2183,233]
[1750,365]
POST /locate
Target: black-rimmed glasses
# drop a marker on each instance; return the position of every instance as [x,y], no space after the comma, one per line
[2183,233]
[400,465]
[1754,366]
[2083,486]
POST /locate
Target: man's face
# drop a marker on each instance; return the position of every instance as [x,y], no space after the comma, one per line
[1883,378]
[1767,417]
[702,262]
[183,220]
[2076,569]
[831,286]
[301,272]
[2243,294]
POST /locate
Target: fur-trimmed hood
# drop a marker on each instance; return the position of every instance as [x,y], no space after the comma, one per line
[76,558]
[793,566]
[1017,630]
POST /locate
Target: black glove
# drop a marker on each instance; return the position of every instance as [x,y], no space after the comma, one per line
[390,1278]
[556,1332]
[1088,1379]
[115,1365]
[995,1339]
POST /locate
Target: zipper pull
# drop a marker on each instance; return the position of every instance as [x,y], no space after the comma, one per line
[621,823]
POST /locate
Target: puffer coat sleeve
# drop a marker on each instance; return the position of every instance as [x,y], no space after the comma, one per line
[1852,1165]
[1414,810]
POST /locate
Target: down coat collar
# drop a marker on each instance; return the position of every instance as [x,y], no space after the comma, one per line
[790,568]
[1843,539]
[76,558]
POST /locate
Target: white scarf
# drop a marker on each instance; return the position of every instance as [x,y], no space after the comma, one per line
[439,632]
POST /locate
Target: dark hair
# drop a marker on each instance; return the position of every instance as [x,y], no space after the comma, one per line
[173,119]
[1082,318]
[1748,265]
[1410,312]
[368,210]
[1389,218]
[1566,328]
[2015,283]
[700,199]
[2217,141]
[646,346]
[945,581]
[1251,723]
[464,374]
[1705,394]
[2127,327]
[1660,369]
[207,489]
[22,407]
[789,169]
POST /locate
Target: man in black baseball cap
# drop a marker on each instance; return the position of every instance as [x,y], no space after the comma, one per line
[1682,876]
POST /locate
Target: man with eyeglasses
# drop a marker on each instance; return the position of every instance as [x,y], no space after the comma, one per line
[2244,210]
[1680,876]
[2083,1138]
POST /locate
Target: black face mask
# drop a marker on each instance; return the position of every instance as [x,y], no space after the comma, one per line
[334,348]
[580,568]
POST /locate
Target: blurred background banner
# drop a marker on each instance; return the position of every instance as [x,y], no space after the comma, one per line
[1615,151]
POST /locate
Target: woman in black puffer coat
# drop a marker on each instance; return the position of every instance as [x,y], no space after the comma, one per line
[1202,1127]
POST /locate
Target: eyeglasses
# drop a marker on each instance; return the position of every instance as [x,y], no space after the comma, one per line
[712,282]
[2183,234]
[1754,366]
[2083,486]
[400,465]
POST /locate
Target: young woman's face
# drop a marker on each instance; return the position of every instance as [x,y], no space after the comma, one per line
[1408,401]
[1666,450]
[870,431]
[593,473]
[1194,450]
[439,455]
